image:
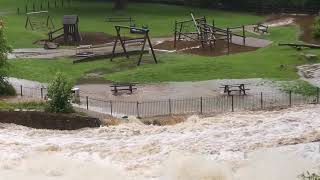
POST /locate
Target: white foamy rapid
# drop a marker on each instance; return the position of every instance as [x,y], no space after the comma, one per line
[277,145]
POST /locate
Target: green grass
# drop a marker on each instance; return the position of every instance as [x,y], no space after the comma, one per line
[22,106]
[299,87]
[272,62]
[159,18]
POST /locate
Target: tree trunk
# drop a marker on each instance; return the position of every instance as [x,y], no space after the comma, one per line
[120,4]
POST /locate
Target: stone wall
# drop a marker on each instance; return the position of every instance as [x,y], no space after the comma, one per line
[44,120]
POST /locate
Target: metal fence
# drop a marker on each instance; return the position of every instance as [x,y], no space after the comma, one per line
[200,105]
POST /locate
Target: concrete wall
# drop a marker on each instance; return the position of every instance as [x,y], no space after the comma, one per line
[43,120]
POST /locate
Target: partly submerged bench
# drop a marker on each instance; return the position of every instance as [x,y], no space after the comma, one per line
[260,28]
[115,88]
[84,51]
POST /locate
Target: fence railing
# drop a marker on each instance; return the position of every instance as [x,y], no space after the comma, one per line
[199,105]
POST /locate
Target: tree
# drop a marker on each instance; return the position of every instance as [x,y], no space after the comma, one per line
[120,4]
[59,94]
[5,87]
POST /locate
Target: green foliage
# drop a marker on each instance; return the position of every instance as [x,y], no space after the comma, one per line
[300,87]
[316,31]
[22,106]
[5,87]
[59,94]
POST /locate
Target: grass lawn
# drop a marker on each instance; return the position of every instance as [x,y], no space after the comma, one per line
[272,62]
[264,63]
[25,105]
[159,18]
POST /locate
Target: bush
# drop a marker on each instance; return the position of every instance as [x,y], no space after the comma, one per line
[7,89]
[316,31]
[59,94]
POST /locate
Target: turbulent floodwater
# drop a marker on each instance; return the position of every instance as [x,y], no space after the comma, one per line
[277,145]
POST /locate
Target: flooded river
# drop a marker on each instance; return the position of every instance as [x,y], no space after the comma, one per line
[237,146]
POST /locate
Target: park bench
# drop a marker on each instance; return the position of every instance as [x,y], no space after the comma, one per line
[84,51]
[123,87]
[120,19]
[261,28]
[235,88]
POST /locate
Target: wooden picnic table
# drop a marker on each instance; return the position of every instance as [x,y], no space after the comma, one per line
[229,88]
[116,87]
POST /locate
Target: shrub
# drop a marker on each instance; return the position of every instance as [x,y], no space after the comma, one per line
[316,31]
[5,87]
[59,94]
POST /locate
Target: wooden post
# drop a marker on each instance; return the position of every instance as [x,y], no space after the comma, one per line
[175,34]
[55,4]
[261,100]
[33,7]
[62,3]
[87,102]
[111,108]
[48,4]
[244,35]
[151,48]
[228,37]
[21,90]
[41,7]
[26,8]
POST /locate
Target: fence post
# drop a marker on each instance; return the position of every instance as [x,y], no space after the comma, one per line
[232,103]
[170,108]
[244,35]
[261,100]
[62,3]
[26,8]
[87,102]
[111,108]
[290,98]
[138,114]
[34,7]
[21,90]
[318,95]
[48,4]
[201,107]
[55,4]
[41,91]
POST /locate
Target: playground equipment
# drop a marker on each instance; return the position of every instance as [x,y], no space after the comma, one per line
[70,29]
[206,34]
[39,20]
[133,30]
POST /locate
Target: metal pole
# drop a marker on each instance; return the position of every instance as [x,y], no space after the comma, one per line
[232,103]
[21,90]
[261,100]
[111,108]
[138,114]
[201,105]
[170,108]
[318,95]
[290,98]
[87,102]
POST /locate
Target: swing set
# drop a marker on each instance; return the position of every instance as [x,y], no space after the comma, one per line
[39,20]
[133,30]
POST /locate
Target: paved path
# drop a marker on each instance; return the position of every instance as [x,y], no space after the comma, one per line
[251,42]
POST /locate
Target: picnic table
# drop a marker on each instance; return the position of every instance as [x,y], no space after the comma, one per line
[260,28]
[235,88]
[116,87]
